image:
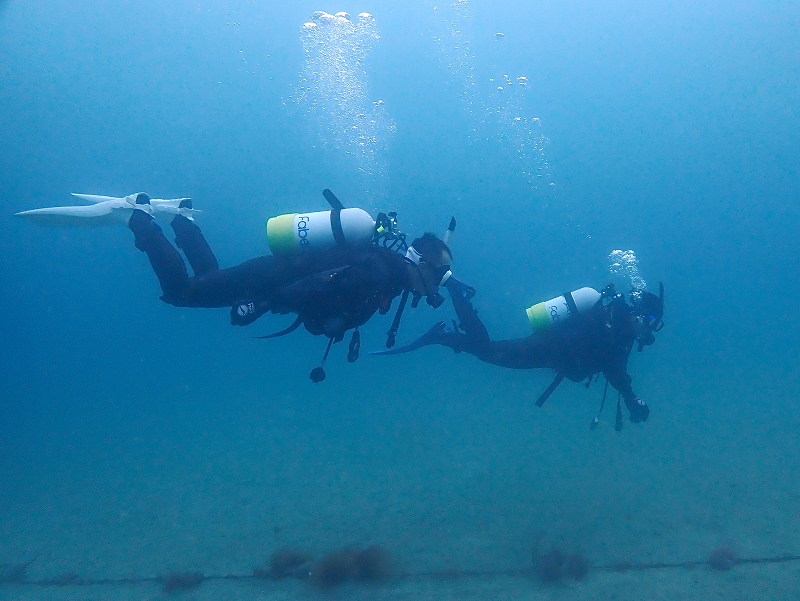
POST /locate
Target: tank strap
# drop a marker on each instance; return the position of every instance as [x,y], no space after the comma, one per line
[295,324]
[549,390]
[573,308]
[336,226]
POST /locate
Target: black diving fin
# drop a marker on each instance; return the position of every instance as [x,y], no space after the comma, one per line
[458,288]
[432,336]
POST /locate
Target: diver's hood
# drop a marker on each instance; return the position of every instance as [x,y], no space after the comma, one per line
[649,305]
[442,274]
[651,310]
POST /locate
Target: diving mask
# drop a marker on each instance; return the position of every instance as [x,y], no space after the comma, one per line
[432,277]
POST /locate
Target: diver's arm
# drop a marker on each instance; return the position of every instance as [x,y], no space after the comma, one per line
[617,371]
[621,380]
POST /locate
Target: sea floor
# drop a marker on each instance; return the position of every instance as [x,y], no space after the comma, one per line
[744,583]
[467,478]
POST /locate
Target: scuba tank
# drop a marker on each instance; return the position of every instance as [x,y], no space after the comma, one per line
[543,316]
[547,315]
[295,232]
[320,230]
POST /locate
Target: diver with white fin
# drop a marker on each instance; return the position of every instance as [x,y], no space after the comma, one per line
[578,335]
[333,269]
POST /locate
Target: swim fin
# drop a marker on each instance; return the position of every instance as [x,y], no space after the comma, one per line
[432,336]
[459,288]
[104,210]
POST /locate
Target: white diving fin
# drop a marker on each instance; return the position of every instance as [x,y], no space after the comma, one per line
[104,210]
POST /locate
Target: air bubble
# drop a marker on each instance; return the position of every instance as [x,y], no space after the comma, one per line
[333,90]
[626,264]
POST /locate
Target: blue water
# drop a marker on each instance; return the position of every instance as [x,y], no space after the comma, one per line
[131,428]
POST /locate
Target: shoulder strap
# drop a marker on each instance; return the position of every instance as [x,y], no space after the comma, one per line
[573,308]
[296,324]
[336,215]
[336,226]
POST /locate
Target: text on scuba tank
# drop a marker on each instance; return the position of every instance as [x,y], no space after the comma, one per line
[554,312]
[302,230]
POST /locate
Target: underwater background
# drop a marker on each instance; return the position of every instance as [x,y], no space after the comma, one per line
[137,439]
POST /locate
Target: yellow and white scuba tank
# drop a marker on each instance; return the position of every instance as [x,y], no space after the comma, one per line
[543,316]
[296,232]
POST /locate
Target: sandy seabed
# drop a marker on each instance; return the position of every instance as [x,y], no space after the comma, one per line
[449,483]
[743,583]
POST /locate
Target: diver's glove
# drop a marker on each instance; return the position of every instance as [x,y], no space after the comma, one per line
[246,312]
[638,409]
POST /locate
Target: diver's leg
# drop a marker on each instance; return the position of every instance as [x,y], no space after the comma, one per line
[257,279]
[164,258]
[191,241]
[519,353]
[468,318]
[459,342]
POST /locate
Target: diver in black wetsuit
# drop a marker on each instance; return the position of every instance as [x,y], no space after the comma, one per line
[331,291]
[595,341]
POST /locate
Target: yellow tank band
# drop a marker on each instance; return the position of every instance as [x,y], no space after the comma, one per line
[280,234]
[538,317]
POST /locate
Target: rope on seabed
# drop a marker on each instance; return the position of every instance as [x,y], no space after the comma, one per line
[16,576]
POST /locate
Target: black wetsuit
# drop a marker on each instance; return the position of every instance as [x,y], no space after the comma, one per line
[597,341]
[332,291]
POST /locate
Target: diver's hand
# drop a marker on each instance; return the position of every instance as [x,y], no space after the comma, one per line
[638,409]
[246,312]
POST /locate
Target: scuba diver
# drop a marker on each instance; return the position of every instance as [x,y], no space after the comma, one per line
[333,269]
[578,335]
